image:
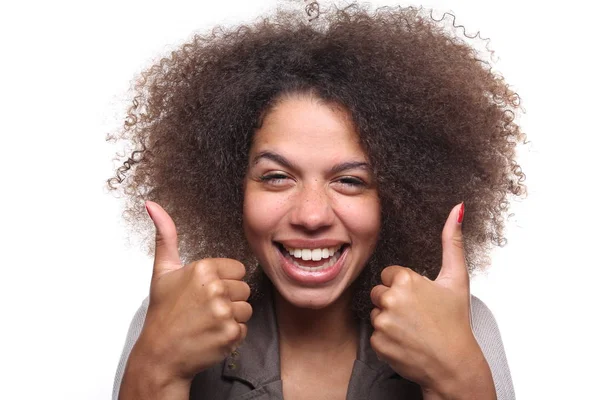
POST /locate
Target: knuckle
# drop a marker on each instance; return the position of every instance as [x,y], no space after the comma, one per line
[216,288]
[231,332]
[389,300]
[221,310]
[381,322]
[404,276]
[202,269]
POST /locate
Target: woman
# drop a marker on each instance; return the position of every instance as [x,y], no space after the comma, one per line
[310,170]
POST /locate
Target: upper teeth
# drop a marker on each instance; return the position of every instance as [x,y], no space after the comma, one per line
[313,254]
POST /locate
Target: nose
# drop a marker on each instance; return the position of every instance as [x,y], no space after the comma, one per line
[312,209]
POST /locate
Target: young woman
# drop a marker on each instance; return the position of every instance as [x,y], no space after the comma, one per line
[329,188]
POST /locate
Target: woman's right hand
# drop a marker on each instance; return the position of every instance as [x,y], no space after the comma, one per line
[196,316]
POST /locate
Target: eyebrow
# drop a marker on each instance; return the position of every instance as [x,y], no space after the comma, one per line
[284,162]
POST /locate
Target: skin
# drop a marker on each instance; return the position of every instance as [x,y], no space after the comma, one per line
[304,200]
[196,316]
[197,312]
[423,327]
[296,192]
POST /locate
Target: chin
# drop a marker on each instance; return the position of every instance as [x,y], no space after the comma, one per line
[313,299]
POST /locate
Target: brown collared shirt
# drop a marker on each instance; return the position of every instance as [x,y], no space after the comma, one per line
[254,371]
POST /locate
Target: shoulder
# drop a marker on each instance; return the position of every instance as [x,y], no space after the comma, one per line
[487,334]
[135,328]
[485,326]
[483,322]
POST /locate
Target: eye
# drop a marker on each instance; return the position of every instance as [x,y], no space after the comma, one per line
[276,179]
[350,184]
[351,181]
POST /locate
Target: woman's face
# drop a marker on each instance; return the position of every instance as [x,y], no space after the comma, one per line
[311,210]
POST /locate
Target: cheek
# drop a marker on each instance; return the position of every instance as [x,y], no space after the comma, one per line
[363,219]
[263,211]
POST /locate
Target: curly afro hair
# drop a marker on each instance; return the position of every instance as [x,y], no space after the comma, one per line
[437,124]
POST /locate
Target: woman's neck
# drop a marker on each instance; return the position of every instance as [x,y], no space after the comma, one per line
[333,328]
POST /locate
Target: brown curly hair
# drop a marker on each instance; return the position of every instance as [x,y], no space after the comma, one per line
[436,122]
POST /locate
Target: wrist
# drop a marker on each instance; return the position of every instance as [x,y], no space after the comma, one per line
[146,379]
[472,379]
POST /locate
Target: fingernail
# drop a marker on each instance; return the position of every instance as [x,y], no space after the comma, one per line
[147,209]
[461,213]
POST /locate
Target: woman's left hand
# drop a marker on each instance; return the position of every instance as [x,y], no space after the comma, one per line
[423,327]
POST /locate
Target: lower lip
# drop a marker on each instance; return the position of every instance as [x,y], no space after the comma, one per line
[312,277]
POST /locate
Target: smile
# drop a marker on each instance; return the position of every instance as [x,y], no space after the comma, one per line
[327,257]
[312,265]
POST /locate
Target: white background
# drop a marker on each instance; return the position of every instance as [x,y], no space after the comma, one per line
[70,283]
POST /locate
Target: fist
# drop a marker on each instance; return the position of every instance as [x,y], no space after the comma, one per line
[197,313]
[422,328]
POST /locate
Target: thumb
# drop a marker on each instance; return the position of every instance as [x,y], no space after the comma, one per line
[454,266]
[166,254]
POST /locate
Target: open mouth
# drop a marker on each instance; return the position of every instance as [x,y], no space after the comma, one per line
[312,260]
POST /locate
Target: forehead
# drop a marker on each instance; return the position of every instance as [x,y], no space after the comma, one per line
[308,126]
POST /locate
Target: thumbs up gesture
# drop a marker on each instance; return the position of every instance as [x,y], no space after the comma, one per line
[422,328]
[196,316]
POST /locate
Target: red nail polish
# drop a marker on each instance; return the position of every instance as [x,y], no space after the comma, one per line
[461,213]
